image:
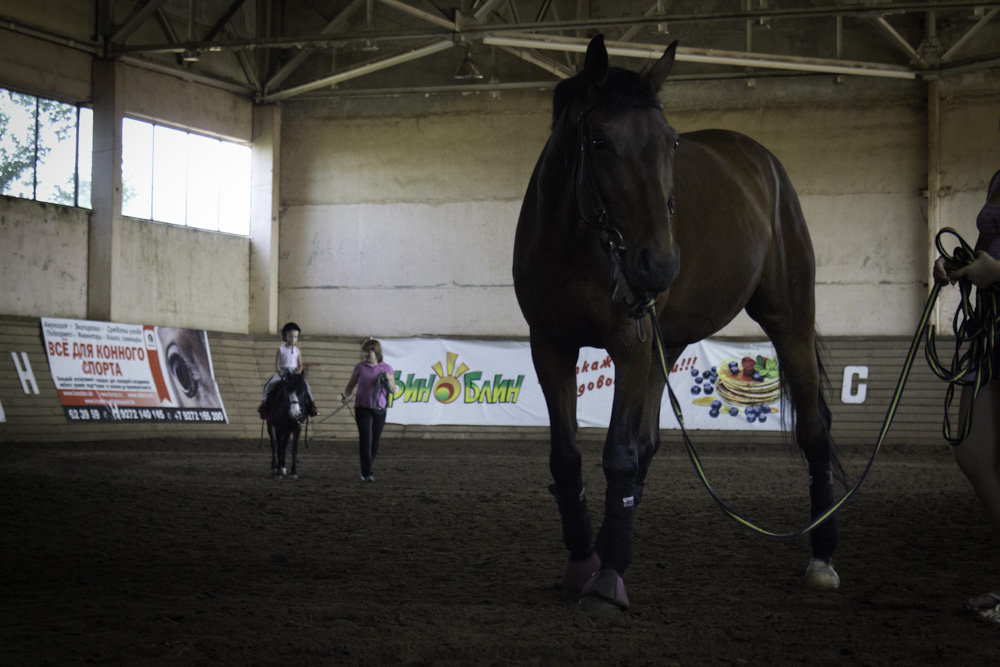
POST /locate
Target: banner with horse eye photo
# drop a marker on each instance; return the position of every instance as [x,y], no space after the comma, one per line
[720,385]
[129,373]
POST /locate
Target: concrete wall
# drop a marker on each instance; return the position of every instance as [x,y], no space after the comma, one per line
[172,275]
[43,259]
[182,277]
[399,221]
[159,274]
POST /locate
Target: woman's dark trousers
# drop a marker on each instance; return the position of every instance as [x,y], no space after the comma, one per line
[370,424]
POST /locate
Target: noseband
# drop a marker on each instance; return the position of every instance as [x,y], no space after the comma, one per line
[600,218]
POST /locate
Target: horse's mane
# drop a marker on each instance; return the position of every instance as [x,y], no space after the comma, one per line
[294,381]
[621,89]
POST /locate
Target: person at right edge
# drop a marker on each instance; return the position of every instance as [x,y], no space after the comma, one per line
[375,381]
[978,455]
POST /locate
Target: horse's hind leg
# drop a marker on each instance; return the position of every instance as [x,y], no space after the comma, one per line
[800,372]
[272,436]
[555,365]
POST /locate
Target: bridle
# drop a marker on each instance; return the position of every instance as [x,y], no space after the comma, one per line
[600,218]
[294,403]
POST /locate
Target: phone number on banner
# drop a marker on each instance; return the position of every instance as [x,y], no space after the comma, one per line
[139,415]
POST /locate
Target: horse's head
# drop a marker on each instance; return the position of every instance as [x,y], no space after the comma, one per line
[624,164]
[295,393]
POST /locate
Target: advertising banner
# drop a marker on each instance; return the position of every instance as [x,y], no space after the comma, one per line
[110,372]
[719,385]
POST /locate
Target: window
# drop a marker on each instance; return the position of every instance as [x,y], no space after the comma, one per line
[183,178]
[45,149]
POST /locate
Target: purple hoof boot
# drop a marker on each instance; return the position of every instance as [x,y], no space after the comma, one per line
[605,591]
[580,573]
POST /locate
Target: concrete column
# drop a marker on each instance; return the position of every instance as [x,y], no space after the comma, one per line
[106,199]
[264,200]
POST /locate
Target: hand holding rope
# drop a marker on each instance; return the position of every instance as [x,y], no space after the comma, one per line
[976,335]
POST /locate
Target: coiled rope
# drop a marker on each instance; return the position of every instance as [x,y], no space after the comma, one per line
[975,328]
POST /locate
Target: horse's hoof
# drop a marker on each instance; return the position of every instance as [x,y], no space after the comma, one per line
[284,472]
[820,576]
[603,613]
[293,476]
[604,598]
[580,572]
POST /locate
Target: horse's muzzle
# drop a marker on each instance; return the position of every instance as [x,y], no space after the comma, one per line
[654,271]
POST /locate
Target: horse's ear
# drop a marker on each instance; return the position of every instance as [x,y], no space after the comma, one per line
[595,66]
[658,74]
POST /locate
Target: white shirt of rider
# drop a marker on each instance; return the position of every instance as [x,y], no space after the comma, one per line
[289,357]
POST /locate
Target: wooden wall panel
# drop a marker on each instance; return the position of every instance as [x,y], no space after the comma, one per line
[242,363]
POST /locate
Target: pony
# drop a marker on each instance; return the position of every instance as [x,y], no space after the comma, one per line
[623,215]
[288,408]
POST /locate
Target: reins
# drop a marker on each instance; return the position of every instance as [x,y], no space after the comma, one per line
[978,326]
[696,459]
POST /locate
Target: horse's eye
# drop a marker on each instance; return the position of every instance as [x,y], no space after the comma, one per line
[187,378]
[599,142]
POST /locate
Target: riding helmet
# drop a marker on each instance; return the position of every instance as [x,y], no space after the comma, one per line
[291,326]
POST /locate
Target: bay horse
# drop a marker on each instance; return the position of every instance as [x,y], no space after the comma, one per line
[622,209]
[288,408]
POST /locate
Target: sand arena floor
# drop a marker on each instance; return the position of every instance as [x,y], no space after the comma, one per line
[167,552]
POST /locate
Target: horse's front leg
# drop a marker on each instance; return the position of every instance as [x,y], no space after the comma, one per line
[555,365]
[624,469]
[282,447]
[295,451]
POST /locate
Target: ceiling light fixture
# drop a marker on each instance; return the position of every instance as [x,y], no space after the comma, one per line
[467,70]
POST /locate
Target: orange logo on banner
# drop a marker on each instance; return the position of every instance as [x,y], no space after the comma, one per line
[154,363]
[448,387]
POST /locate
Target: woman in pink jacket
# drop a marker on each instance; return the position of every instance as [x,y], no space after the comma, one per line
[375,382]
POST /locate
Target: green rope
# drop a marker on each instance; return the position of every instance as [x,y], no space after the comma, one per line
[978,327]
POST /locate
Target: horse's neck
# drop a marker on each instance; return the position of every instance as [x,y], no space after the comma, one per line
[554,184]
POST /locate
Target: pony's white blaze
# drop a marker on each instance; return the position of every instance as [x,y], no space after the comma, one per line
[293,407]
